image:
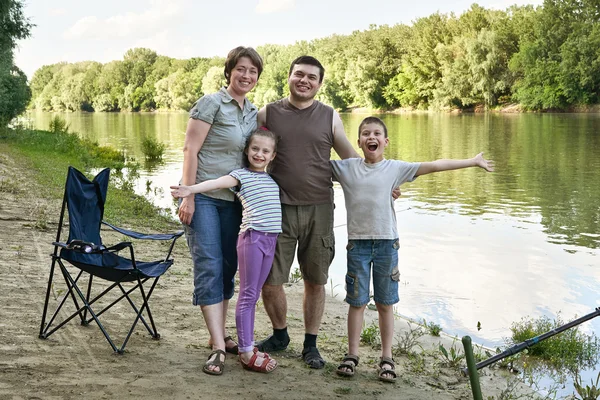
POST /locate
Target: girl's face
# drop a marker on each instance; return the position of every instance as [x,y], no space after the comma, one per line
[261,151]
[243,77]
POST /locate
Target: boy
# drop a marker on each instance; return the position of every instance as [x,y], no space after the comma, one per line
[372,236]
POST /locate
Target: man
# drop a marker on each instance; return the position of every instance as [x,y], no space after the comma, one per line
[308,130]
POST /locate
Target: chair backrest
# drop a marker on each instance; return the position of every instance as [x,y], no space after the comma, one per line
[85,202]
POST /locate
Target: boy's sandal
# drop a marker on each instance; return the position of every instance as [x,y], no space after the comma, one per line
[263,367]
[216,362]
[348,365]
[387,374]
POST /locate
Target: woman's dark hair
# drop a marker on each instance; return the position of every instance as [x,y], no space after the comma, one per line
[372,120]
[234,56]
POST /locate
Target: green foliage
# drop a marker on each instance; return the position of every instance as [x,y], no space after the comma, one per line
[58,125]
[295,275]
[558,64]
[370,334]
[50,154]
[433,328]
[408,340]
[546,58]
[14,92]
[569,350]
[153,149]
[588,392]
[451,358]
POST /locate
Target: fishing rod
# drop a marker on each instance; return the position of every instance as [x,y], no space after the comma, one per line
[530,342]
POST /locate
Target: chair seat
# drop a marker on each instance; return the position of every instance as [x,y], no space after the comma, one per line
[114,268]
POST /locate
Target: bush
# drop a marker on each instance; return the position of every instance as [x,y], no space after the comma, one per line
[58,125]
[153,149]
[570,349]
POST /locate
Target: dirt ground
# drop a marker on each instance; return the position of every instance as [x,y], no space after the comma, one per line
[77,361]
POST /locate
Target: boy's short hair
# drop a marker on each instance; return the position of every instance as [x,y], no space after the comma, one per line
[234,56]
[372,120]
[309,60]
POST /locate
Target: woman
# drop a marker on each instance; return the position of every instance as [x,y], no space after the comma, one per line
[217,130]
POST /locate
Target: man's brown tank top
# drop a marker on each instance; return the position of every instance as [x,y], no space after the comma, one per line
[301,167]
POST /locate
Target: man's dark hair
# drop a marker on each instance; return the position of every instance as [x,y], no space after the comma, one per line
[309,60]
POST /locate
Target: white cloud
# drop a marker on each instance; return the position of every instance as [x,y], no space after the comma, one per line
[131,25]
[272,6]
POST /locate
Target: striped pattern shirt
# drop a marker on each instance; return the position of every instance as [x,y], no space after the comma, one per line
[259,195]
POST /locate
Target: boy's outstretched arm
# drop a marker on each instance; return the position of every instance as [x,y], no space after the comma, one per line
[224,182]
[447,165]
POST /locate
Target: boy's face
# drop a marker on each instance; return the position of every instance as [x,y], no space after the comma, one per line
[372,141]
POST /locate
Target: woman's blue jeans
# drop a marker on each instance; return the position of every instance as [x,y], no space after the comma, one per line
[211,238]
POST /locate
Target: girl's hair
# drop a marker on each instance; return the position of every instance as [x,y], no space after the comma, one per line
[264,132]
[234,56]
[372,120]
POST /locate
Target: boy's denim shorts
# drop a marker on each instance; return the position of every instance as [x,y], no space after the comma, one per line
[380,255]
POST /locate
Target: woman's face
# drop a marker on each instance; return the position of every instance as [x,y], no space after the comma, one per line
[243,77]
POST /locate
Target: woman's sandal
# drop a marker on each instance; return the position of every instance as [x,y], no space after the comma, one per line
[387,374]
[350,362]
[263,367]
[216,362]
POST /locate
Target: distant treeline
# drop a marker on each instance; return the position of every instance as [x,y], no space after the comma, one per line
[543,58]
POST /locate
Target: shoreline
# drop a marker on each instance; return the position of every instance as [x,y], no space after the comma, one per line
[77,360]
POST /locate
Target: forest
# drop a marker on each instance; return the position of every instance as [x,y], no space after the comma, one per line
[544,58]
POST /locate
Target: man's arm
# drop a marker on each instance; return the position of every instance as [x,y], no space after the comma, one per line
[447,165]
[261,118]
[341,144]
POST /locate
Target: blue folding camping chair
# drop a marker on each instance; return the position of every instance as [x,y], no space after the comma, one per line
[84,200]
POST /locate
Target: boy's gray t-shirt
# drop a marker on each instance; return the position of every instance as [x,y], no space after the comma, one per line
[368,193]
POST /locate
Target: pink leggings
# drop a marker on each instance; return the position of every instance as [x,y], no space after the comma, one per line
[255,257]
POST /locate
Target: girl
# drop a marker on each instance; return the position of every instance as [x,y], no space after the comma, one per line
[261,224]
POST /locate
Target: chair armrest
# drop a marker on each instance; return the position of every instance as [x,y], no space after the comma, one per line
[137,235]
[81,247]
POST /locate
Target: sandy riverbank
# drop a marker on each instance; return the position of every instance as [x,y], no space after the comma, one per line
[77,361]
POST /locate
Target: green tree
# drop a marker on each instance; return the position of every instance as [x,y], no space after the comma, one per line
[213,80]
[14,92]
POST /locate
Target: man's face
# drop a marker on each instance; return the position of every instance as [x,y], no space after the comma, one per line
[304,81]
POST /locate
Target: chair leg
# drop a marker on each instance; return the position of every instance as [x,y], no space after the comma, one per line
[145,305]
[42,334]
[87,306]
[46,333]
[85,321]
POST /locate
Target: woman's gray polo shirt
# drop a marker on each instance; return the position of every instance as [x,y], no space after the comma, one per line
[223,148]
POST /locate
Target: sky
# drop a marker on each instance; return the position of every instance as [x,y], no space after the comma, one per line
[75,30]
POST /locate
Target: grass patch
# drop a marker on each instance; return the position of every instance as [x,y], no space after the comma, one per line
[569,350]
[370,335]
[46,157]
